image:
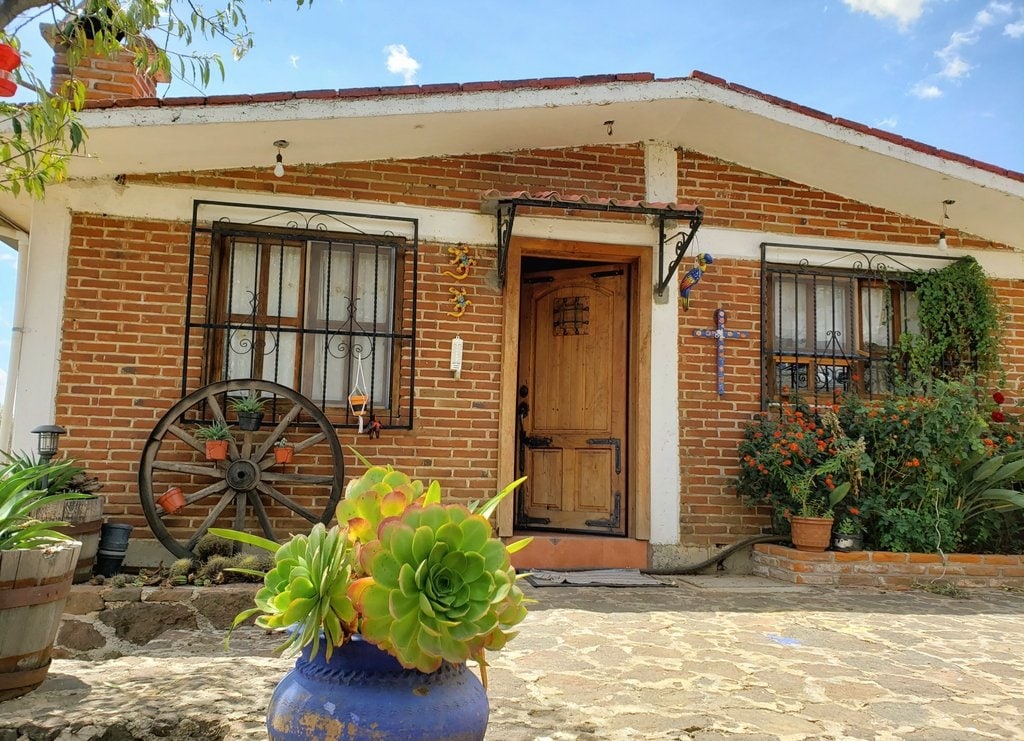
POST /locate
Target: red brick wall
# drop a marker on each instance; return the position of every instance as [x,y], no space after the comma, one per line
[121,362]
[124,315]
[104,79]
[736,197]
[445,182]
[711,426]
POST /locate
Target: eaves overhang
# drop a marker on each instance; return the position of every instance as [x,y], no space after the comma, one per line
[698,113]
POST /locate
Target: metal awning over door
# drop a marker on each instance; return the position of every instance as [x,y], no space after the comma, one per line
[504,205]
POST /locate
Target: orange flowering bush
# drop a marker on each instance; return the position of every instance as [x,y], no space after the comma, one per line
[798,462]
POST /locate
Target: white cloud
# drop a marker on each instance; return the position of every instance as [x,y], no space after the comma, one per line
[955,68]
[3,384]
[400,63]
[1014,30]
[925,91]
[889,122]
[294,60]
[905,12]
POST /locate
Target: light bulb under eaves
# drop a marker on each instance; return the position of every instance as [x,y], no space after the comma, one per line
[279,160]
[942,241]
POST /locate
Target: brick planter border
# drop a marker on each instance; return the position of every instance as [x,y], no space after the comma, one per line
[883,569]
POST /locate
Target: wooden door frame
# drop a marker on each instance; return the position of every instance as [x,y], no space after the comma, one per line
[641,296]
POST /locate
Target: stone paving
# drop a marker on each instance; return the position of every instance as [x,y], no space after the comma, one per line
[709,658]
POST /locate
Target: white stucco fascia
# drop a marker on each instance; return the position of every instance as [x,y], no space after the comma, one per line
[661,173]
[46,281]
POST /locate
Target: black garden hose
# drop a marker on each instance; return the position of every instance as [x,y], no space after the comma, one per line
[718,557]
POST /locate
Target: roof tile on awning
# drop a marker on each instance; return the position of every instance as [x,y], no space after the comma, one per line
[490,198]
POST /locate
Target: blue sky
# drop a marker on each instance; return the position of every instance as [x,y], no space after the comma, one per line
[949,73]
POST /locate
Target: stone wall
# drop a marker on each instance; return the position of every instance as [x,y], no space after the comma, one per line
[104,622]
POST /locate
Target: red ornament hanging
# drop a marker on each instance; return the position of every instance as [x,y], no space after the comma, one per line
[10,59]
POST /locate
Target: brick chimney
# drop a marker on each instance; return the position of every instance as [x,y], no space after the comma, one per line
[104,78]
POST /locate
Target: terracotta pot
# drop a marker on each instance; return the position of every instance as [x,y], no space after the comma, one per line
[171,500]
[284,454]
[811,533]
[216,450]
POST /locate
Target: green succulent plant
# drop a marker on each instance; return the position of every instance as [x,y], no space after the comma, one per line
[423,581]
[216,431]
[248,404]
[22,491]
[379,493]
[439,588]
[307,590]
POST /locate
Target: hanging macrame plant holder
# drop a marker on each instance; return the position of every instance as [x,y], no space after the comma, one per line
[357,397]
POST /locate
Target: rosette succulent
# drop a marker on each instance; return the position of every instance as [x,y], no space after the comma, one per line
[379,493]
[439,588]
[423,581]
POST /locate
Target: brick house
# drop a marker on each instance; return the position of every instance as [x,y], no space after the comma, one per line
[539,223]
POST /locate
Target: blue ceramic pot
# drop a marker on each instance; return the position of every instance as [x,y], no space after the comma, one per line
[364,693]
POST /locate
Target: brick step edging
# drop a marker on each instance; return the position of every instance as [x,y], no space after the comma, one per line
[884,569]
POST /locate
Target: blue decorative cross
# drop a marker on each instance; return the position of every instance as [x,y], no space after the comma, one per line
[720,333]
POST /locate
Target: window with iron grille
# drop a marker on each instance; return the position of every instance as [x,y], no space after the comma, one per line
[324,313]
[835,325]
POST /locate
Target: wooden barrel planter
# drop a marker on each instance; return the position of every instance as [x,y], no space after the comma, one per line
[34,585]
[84,518]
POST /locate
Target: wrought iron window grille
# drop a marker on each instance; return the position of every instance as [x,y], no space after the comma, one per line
[831,318]
[300,296]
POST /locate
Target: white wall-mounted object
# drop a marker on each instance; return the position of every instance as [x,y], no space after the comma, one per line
[456,360]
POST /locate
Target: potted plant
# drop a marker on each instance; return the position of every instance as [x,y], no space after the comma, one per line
[82,515]
[847,535]
[171,500]
[802,464]
[250,411]
[386,608]
[284,451]
[216,437]
[37,565]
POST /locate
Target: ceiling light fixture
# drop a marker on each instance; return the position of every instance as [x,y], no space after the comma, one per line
[945,215]
[279,167]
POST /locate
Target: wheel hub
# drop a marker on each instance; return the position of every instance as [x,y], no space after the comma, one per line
[243,475]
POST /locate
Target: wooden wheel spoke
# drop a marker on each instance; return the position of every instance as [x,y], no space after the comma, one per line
[310,441]
[250,466]
[300,479]
[261,515]
[240,499]
[278,432]
[288,502]
[186,438]
[193,469]
[211,518]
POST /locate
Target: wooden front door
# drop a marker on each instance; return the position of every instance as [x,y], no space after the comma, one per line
[573,374]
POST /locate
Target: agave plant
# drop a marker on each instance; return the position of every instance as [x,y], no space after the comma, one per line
[23,490]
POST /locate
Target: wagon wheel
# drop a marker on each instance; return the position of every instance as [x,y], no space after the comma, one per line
[248,487]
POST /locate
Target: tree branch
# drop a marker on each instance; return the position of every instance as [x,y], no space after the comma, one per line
[11,9]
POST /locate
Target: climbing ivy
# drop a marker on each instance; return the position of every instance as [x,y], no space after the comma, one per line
[961,324]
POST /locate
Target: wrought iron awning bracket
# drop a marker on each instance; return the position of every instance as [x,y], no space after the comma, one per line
[505,213]
[685,239]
